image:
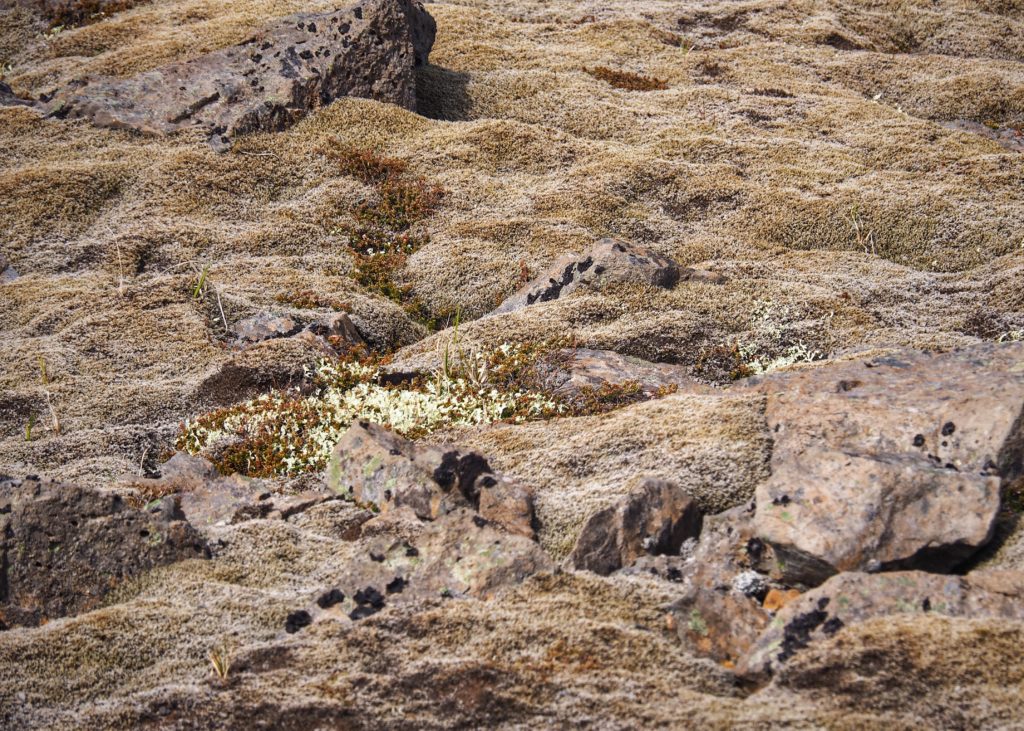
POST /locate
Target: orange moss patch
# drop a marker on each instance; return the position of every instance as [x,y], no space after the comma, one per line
[627,79]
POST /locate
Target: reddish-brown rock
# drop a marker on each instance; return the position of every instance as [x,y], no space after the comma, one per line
[891,462]
[268,83]
[653,518]
[850,598]
[63,547]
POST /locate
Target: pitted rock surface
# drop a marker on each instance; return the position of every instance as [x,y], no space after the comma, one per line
[63,548]
[851,598]
[607,261]
[404,558]
[268,83]
[653,518]
[721,612]
[373,465]
[890,463]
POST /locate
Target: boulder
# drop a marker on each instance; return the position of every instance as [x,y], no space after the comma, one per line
[725,605]
[408,559]
[272,80]
[584,368]
[65,547]
[374,466]
[851,598]
[265,327]
[653,518]
[890,463]
[608,261]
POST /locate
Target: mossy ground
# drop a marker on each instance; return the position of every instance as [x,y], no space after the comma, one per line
[798,148]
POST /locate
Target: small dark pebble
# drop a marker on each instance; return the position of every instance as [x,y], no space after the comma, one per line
[919,440]
[478,521]
[378,557]
[411,551]
[948,428]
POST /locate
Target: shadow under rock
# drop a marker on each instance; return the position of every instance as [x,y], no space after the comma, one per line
[442,94]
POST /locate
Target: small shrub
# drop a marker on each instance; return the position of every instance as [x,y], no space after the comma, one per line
[380,238]
[721,364]
[366,165]
[294,431]
[627,79]
[288,432]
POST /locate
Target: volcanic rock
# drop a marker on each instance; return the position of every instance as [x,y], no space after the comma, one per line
[891,462]
[607,261]
[301,63]
[375,466]
[721,612]
[653,518]
[63,547]
[851,598]
[585,368]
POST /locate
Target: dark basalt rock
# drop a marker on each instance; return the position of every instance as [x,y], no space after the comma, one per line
[303,62]
[63,548]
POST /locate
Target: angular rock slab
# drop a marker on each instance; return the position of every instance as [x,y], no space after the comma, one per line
[63,548]
[720,612]
[890,463]
[607,261]
[585,368]
[268,83]
[375,466]
[851,598]
[653,518]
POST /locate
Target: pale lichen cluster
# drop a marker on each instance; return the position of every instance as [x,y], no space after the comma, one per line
[283,432]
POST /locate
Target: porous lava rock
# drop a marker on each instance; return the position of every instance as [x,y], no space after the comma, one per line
[299,64]
[63,547]
[891,462]
[608,261]
[854,597]
[653,518]
[375,466]
[721,611]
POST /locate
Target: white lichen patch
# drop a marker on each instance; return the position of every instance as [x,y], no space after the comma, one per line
[284,432]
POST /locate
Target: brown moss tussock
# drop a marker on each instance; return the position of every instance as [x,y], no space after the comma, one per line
[627,79]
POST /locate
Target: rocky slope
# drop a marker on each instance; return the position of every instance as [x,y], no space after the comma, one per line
[702,323]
